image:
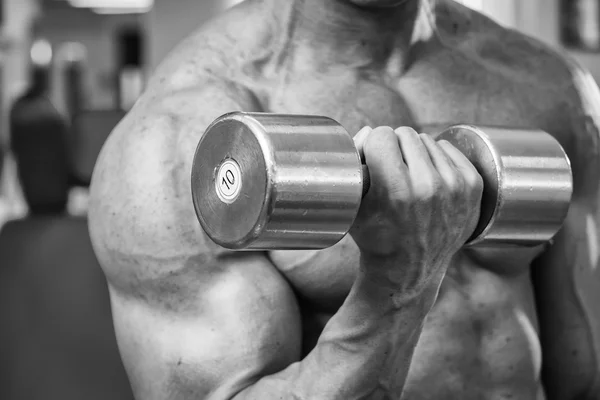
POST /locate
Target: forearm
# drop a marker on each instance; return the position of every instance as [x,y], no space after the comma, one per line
[364,352]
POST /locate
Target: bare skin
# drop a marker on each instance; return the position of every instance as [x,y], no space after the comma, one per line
[197,322]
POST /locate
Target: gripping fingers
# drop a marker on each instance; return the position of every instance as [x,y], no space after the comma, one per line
[440,160]
[384,159]
[468,171]
[414,152]
[359,141]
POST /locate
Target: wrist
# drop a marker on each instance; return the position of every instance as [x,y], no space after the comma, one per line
[392,278]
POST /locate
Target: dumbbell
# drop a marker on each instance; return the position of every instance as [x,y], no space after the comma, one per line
[269,181]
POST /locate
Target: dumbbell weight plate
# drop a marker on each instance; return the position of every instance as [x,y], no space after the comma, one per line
[266,181]
[527,183]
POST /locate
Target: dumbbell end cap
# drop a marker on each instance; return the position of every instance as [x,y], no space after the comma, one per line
[527,179]
[231,183]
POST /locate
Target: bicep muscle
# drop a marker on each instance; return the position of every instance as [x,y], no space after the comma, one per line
[241,323]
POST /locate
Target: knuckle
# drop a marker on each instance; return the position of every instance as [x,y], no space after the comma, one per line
[399,195]
[370,143]
[405,130]
[474,181]
[433,141]
[421,146]
[382,130]
[427,189]
[409,138]
[443,143]
[454,183]
[377,139]
[449,178]
[449,146]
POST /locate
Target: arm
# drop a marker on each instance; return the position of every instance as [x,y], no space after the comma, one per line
[566,277]
[194,321]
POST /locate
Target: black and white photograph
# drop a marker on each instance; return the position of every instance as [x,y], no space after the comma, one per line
[299,200]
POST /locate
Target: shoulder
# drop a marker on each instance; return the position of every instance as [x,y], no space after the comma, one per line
[219,49]
[502,49]
[568,98]
[543,80]
[141,211]
[550,67]
[558,81]
[550,75]
[568,95]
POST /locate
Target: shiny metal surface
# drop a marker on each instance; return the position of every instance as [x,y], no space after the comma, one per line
[527,183]
[298,183]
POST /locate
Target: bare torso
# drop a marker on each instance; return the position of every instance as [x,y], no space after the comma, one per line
[480,340]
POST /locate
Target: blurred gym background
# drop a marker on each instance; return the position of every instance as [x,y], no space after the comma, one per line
[91,59]
[98,54]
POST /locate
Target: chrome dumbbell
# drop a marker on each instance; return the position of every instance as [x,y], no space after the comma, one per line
[268,181]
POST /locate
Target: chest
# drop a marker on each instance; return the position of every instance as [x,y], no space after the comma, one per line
[432,94]
[438,91]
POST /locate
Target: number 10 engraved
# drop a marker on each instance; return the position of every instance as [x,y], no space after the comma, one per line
[229,181]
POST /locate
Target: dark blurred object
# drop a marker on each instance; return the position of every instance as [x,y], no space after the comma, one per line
[580,24]
[57,339]
[130,47]
[4,45]
[74,87]
[130,68]
[39,142]
[2,156]
[89,131]
[3,138]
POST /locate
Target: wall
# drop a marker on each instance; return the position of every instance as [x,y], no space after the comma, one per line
[96,33]
[59,25]
[15,42]
[18,18]
[166,25]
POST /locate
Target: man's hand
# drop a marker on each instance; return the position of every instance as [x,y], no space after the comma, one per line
[422,206]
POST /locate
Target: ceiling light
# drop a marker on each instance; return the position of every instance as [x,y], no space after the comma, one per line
[121,10]
[41,52]
[113,4]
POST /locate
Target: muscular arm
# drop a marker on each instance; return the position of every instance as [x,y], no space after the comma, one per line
[194,321]
[566,278]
